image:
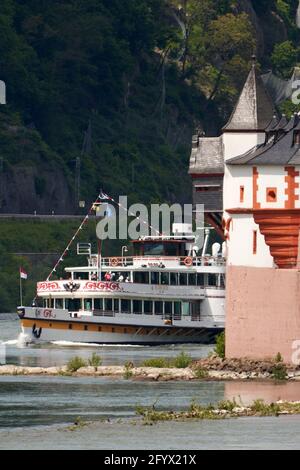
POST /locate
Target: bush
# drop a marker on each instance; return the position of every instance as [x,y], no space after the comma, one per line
[128,370]
[183,360]
[75,363]
[159,362]
[278,358]
[200,373]
[95,361]
[220,345]
[279,372]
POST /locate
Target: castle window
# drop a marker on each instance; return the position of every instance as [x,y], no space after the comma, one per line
[297,138]
[200,188]
[271,194]
[242,193]
[254,242]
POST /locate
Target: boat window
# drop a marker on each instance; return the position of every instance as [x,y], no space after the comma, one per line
[108,305]
[168,308]
[182,279]
[88,304]
[125,306]
[73,305]
[164,278]
[59,303]
[50,303]
[174,279]
[171,249]
[158,308]
[81,276]
[192,279]
[185,308]
[116,305]
[212,280]
[222,281]
[177,308]
[141,277]
[148,307]
[138,249]
[200,279]
[153,249]
[137,306]
[154,278]
[195,310]
[98,304]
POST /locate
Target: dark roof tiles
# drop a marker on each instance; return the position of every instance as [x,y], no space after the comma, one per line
[207,156]
[254,109]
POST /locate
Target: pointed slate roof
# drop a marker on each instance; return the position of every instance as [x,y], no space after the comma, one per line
[254,109]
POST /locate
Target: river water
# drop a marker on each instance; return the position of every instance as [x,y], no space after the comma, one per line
[36,412]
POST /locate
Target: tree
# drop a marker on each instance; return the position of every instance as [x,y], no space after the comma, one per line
[284,58]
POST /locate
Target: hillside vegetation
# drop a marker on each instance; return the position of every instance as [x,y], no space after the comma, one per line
[123,84]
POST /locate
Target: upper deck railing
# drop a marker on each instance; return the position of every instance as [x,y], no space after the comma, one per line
[159,262]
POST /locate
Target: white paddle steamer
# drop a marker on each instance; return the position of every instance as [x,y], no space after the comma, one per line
[163,294]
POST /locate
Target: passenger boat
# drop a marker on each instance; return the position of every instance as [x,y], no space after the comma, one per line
[163,294]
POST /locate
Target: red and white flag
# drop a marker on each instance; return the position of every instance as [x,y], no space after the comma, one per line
[23,273]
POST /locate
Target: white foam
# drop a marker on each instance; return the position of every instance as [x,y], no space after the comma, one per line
[73,343]
[10,342]
[23,340]
[95,345]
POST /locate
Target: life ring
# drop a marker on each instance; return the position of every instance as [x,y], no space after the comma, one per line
[188,261]
[114,262]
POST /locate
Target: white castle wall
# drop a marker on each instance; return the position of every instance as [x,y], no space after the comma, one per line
[240,244]
[271,177]
[237,143]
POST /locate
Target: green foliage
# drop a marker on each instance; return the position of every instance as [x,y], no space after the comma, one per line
[182,361]
[159,362]
[128,370]
[220,345]
[38,237]
[95,361]
[142,72]
[75,363]
[227,405]
[264,409]
[200,373]
[278,358]
[284,58]
[289,108]
[224,409]
[279,372]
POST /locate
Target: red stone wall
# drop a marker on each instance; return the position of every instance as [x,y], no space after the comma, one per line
[262,312]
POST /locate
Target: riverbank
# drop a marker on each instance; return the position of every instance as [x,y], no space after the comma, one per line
[213,369]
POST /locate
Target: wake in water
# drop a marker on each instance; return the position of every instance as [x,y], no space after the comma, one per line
[94,345]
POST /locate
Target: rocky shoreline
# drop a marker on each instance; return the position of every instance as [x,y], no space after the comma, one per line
[214,369]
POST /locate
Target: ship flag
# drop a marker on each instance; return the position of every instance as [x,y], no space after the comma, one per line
[23,273]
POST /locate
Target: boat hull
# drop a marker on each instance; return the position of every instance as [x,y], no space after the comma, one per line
[97,332]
